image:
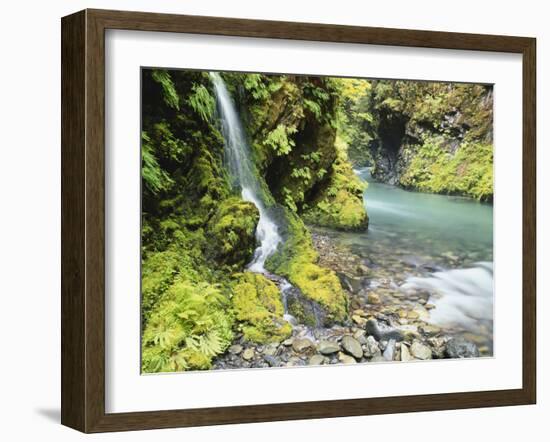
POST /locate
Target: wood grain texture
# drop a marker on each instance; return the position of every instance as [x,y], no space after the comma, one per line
[83,219]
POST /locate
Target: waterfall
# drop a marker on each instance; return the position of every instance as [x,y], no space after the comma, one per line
[238,159]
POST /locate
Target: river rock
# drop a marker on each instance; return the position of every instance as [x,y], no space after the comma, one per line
[421,351]
[270,350]
[300,345]
[288,342]
[345,359]
[359,320]
[405,353]
[380,332]
[351,283]
[373,298]
[352,346]
[371,348]
[361,336]
[316,360]
[272,360]
[458,348]
[328,347]
[248,354]
[430,330]
[235,349]
[378,358]
[389,350]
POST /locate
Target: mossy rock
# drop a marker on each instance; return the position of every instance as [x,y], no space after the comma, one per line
[230,232]
[259,309]
[338,203]
[297,261]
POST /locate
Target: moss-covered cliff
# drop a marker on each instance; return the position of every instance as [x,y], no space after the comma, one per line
[198,234]
[426,136]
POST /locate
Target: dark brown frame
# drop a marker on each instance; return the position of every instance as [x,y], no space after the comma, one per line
[83,216]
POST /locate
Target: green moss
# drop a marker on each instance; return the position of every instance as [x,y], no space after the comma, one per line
[231,231]
[297,261]
[467,171]
[258,307]
[339,204]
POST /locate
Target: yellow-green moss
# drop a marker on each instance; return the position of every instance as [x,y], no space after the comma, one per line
[468,171]
[231,230]
[259,309]
[297,261]
[339,205]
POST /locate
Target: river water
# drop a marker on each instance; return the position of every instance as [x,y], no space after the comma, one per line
[437,245]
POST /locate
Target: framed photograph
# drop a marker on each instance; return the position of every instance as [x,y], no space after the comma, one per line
[267,221]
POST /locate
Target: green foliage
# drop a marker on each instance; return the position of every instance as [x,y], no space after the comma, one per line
[189,327]
[155,178]
[169,93]
[259,309]
[469,171]
[278,140]
[339,204]
[202,102]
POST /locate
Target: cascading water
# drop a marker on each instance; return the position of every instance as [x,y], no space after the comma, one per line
[238,155]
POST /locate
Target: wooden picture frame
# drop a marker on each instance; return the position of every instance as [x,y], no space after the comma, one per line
[83,220]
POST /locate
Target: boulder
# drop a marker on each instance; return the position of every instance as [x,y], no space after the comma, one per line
[352,346]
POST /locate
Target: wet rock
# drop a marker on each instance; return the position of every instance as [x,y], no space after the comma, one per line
[248,354]
[458,348]
[351,283]
[316,360]
[378,359]
[380,332]
[345,359]
[300,345]
[288,342]
[352,346]
[328,347]
[235,349]
[421,351]
[389,351]
[294,362]
[272,361]
[371,348]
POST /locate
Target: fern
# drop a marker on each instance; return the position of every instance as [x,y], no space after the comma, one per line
[169,94]
[155,178]
[202,102]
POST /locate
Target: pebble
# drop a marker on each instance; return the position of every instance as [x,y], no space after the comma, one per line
[458,348]
[352,346]
[235,349]
[430,330]
[272,360]
[248,354]
[389,351]
[328,347]
[300,345]
[371,348]
[405,354]
[421,351]
[345,359]
[316,360]
[373,298]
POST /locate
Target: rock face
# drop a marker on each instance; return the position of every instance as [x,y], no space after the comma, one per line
[352,347]
[440,130]
[461,348]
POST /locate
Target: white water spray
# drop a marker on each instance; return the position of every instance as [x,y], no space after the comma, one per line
[238,156]
[462,297]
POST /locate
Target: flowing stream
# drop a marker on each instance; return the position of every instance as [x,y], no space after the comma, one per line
[442,245]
